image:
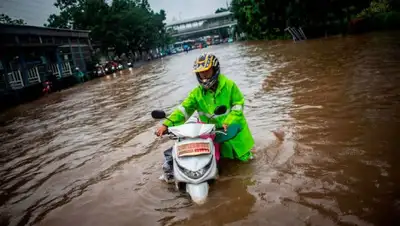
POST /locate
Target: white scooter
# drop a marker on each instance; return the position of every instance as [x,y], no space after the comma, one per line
[194,154]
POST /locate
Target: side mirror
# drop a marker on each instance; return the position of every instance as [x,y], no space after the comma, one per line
[220,110]
[158,114]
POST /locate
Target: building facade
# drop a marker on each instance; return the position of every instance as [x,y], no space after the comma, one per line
[27,53]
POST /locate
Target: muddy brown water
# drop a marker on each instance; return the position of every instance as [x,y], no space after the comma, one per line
[88,156]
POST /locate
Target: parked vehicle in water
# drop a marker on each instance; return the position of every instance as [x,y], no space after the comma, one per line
[54,83]
[130,64]
[179,50]
[79,75]
[119,65]
[99,70]
[46,87]
[216,41]
[109,67]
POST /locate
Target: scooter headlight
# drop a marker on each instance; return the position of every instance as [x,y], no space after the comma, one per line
[113,68]
[195,174]
[106,69]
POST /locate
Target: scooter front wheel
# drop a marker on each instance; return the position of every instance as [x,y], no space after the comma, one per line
[180,186]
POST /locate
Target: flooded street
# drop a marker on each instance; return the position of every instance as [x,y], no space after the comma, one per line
[88,155]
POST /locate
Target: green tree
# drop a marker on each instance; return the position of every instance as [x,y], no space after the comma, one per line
[5,19]
[267,19]
[380,6]
[221,10]
[59,21]
[123,24]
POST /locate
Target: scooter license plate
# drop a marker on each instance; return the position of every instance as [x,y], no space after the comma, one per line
[193,149]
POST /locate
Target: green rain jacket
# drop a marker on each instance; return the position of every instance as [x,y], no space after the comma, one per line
[205,102]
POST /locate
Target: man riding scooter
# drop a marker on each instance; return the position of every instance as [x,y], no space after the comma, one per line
[214,89]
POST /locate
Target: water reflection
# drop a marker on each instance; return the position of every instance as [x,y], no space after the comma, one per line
[225,205]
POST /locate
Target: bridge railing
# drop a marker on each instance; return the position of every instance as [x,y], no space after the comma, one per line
[217,23]
[205,25]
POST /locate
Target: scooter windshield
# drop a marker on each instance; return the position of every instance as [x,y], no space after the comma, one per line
[192,130]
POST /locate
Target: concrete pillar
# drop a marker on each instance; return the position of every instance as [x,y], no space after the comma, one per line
[72,55]
[90,44]
[82,58]
[45,61]
[6,80]
[22,65]
[59,62]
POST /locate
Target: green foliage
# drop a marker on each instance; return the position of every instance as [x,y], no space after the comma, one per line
[267,19]
[5,19]
[378,21]
[221,10]
[376,7]
[123,25]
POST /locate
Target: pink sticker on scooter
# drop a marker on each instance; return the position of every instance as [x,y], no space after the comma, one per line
[216,145]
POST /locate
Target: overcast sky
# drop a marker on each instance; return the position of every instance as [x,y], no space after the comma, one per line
[36,12]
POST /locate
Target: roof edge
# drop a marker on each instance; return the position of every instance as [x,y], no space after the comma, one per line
[43,28]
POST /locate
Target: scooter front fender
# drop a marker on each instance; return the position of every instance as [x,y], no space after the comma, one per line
[198,192]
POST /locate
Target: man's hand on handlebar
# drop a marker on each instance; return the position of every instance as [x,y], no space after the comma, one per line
[225,126]
[161,130]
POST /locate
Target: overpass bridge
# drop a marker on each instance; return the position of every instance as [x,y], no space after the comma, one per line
[199,25]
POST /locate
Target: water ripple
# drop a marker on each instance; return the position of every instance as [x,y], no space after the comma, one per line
[88,155]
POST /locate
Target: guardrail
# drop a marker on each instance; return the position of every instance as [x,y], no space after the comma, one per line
[65,68]
[15,79]
[297,33]
[33,75]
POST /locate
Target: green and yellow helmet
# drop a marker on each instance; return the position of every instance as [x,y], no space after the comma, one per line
[205,62]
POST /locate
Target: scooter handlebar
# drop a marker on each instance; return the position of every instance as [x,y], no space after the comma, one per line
[221,131]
